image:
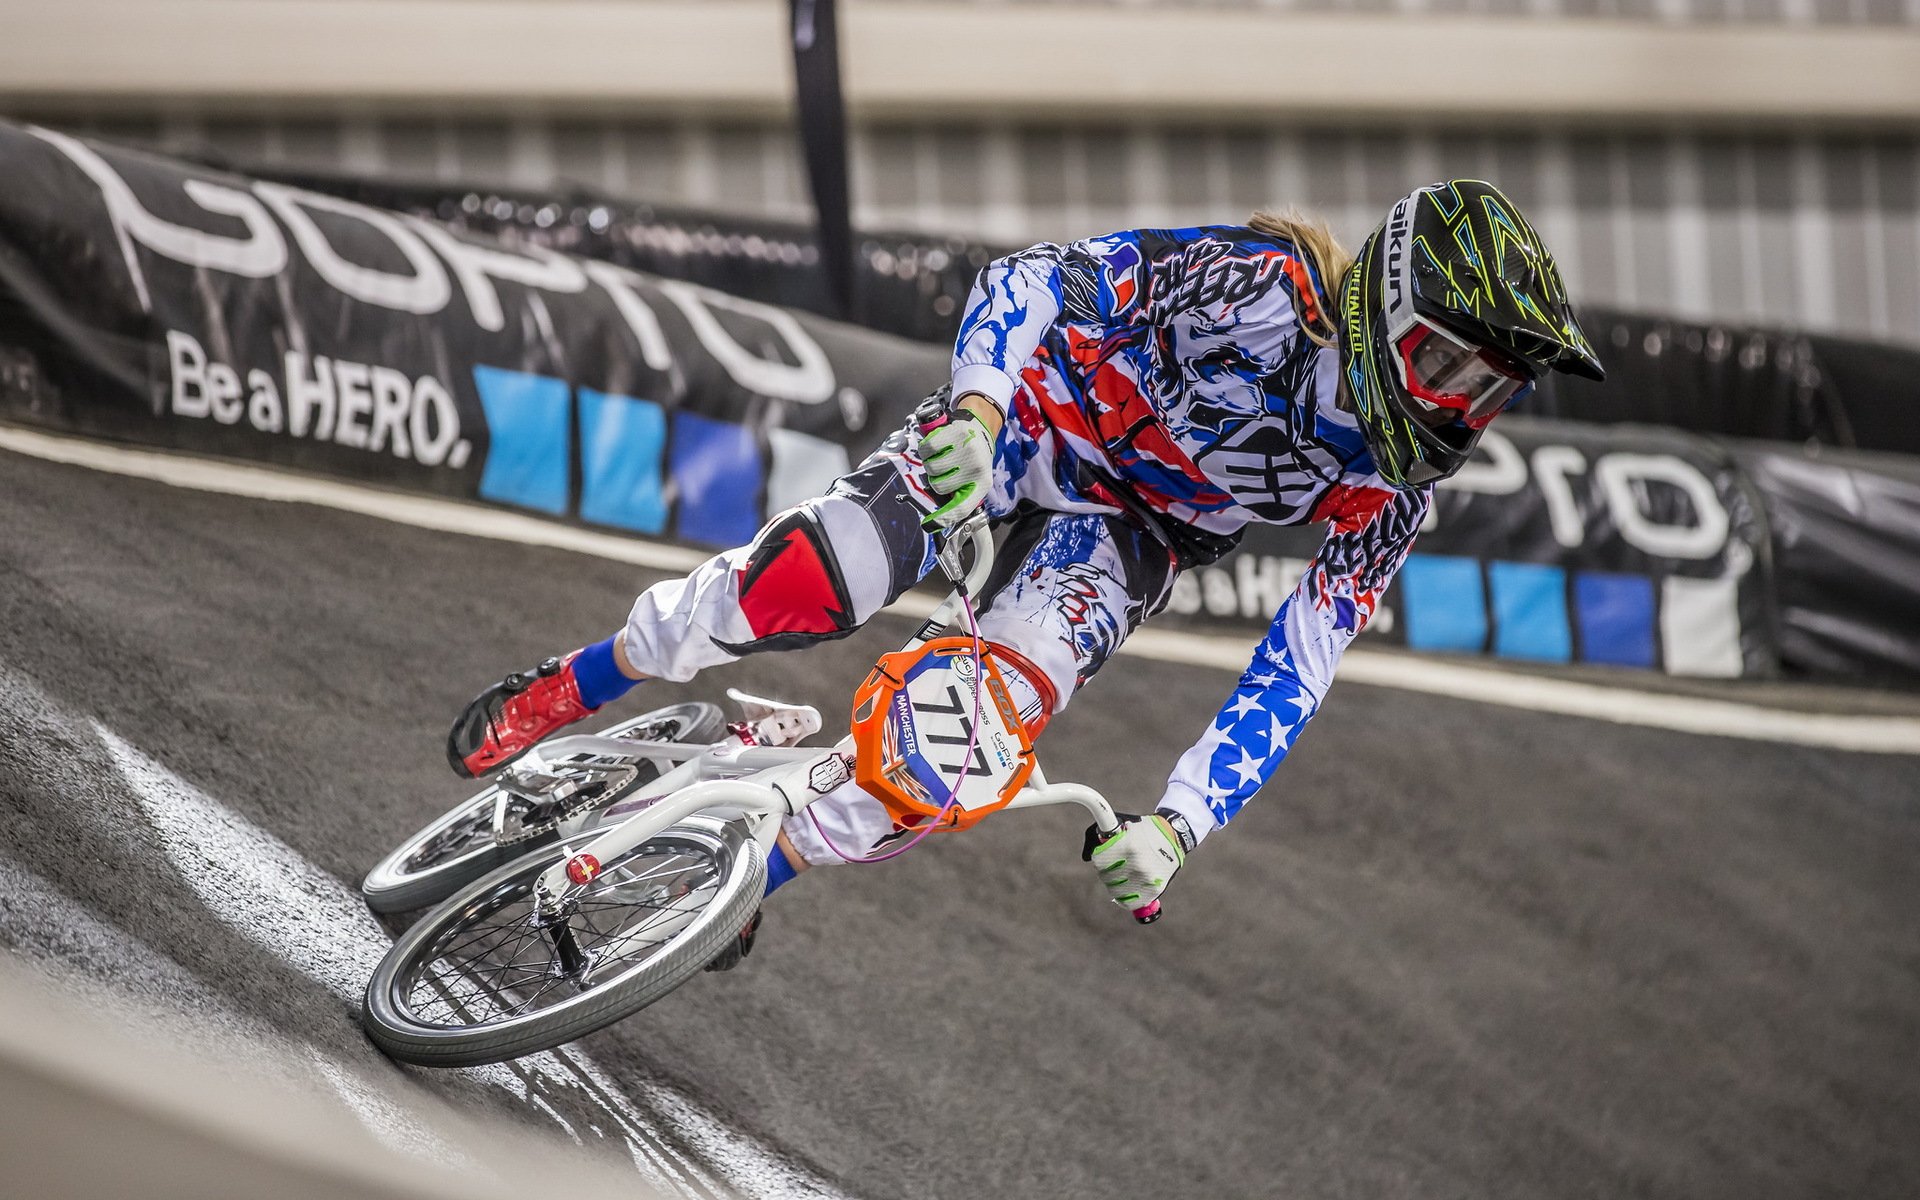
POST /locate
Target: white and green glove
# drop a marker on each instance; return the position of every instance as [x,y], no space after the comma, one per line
[1137,862]
[958,453]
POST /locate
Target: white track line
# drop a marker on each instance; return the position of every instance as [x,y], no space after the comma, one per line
[1619,704]
[280,900]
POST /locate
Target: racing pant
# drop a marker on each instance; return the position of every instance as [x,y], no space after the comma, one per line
[1071,580]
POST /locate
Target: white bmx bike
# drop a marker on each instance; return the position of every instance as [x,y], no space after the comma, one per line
[600,872]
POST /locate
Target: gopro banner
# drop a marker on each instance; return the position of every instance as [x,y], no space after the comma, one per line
[146,301]
[143,300]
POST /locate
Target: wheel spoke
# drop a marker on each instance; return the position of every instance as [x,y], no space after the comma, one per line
[495,963]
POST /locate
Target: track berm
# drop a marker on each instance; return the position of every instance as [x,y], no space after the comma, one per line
[1453,950]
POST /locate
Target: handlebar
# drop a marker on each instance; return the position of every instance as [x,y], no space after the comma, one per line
[1105,822]
[973,533]
[968,578]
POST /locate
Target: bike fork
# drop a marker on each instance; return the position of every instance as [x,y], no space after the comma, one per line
[573,961]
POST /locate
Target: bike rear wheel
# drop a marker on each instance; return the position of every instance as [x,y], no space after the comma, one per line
[481,980]
[460,846]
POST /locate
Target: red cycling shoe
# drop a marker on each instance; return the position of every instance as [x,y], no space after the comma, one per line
[507,719]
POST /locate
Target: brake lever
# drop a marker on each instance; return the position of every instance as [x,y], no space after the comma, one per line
[950,548]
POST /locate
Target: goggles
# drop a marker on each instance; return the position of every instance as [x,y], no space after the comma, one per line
[1452,380]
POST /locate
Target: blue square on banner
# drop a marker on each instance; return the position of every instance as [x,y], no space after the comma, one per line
[1444,603]
[623,446]
[528,428]
[1530,611]
[1616,617]
[716,466]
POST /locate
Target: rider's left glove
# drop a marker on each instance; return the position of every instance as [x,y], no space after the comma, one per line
[958,454]
[1137,863]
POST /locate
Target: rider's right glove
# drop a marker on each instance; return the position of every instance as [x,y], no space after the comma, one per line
[1138,862]
[958,453]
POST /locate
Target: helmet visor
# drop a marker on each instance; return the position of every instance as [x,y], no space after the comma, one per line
[1450,380]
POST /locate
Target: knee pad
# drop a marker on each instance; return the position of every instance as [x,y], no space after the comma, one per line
[792,591]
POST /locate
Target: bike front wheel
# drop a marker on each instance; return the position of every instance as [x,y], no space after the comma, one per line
[462,844]
[484,978]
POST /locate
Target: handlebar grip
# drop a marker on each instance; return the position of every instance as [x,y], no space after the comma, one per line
[1147,913]
[929,415]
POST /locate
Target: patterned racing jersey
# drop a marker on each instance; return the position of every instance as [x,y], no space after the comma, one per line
[1171,365]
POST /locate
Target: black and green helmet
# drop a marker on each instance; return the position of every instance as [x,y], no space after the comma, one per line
[1451,311]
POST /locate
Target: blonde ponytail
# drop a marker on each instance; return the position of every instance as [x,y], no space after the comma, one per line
[1329,259]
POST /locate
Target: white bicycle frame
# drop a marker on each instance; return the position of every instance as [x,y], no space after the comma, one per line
[764,785]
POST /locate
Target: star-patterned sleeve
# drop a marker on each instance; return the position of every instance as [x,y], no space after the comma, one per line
[1294,663]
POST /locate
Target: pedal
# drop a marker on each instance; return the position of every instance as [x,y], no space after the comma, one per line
[544,790]
[741,945]
[775,722]
[531,784]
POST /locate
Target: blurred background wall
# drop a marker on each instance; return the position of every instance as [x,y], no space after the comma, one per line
[1740,160]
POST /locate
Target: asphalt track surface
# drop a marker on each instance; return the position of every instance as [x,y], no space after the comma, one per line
[1453,950]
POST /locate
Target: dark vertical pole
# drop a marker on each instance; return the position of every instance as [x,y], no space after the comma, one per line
[823,140]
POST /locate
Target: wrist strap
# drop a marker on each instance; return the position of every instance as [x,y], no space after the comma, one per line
[1178,823]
